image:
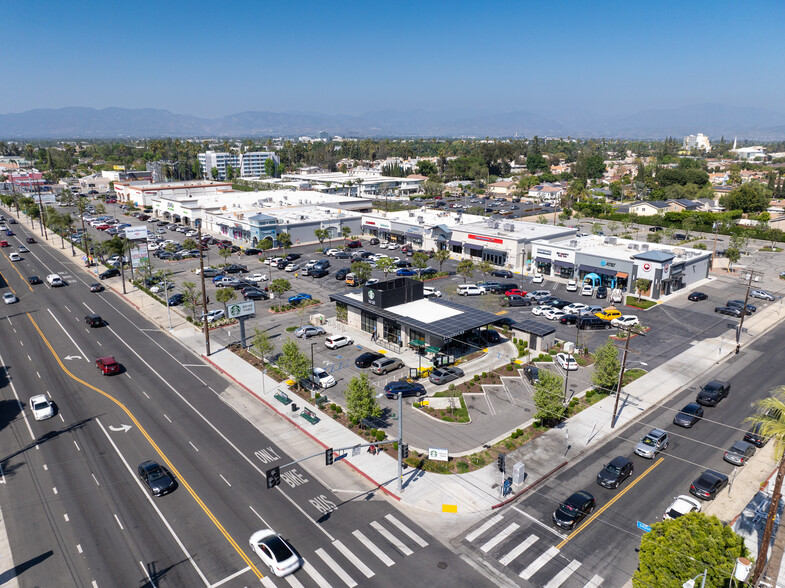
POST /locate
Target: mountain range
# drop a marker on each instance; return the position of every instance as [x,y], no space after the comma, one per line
[714,120]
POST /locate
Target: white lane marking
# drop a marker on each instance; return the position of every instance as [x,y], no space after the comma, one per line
[167,418]
[153,504]
[347,579]
[8,318]
[407,531]
[22,344]
[366,571]
[96,480]
[46,467]
[14,328]
[258,515]
[48,394]
[79,548]
[594,582]
[562,576]
[305,514]
[484,527]
[68,309]
[538,563]
[373,548]
[192,445]
[65,516]
[88,308]
[21,406]
[317,577]
[232,577]
[118,522]
[293,581]
[511,528]
[129,376]
[518,549]
[77,445]
[38,374]
[146,394]
[2,475]
[225,480]
[54,489]
[391,538]
[99,343]
[267,582]
[61,417]
[28,357]
[543,525]
[146,573]
[95,584]
[82,353]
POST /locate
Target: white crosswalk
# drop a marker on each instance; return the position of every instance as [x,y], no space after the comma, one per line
[503,540]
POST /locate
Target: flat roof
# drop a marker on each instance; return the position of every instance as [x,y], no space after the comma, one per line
[623,248]
[534,327]
[430,216]
[516,229]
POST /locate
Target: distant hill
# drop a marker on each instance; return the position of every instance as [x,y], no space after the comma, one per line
[715,120]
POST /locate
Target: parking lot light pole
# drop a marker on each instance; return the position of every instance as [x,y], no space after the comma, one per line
[313,392]
[204,292]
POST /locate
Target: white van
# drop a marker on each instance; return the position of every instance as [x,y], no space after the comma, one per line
[470,290]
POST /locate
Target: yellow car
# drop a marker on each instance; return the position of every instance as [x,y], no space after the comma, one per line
[608,314]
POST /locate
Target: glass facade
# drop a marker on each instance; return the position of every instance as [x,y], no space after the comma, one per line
[392,331]
[495,257]
[368,322]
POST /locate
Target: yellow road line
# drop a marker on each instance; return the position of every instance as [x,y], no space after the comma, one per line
[13,265]
[614,499]
[158,450]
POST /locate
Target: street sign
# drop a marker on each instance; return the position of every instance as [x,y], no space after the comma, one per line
[240,309]
[644,527]
[438,454]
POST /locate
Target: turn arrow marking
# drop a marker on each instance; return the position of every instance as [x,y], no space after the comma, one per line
[70,357]
[121,428]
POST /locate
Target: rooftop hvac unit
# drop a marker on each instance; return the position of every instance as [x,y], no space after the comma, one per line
[509,227]
[421,220]
[678,251]
[644,246]
[635,246]
[302,217]
[573,243]
[411,214]
[495,224]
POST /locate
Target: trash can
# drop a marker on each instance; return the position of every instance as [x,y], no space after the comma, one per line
[518,473]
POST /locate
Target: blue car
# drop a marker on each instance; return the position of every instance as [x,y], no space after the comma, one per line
[405,272]
[299,298]
[10,233]
[217,278]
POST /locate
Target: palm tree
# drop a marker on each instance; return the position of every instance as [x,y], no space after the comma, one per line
[771,417]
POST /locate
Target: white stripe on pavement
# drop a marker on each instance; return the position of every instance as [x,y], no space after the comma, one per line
[267,582]
[347,579]
[511,528]
[518,549]
[347,553]
[317,577]
[391,538]
[594,582]
[535,566]
[480,530]
[373,548]
[407,531]
[293,582]
[562,576]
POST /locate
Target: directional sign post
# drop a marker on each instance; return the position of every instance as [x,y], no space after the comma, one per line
[644,527]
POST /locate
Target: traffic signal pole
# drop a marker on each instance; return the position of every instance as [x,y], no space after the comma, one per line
[400,442]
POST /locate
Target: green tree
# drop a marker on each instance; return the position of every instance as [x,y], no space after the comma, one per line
[284,240]
[420,260]
[279,286]
[269,168]
[213,173]
[642,285]
[225,295]
[466,269]
[385,265]
[606,367]
[261,343]
[189,244]
[321,234]
[596,228]
[441,256]
[225,252]
[542,220]
[484,267]
[192,298]
[265,244]
[361,270]
[733,255]
[426,168]
[346,231]
[535,162]
[688,223]
[749,197]
[294,362]
[680,549]
[360,398]
[549,399]
[654,237]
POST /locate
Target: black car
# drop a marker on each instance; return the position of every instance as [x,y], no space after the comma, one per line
[33,280]
[568,319]
[593,322]
[559,303]
[235,269]
[293,256]
[492,287]
[572,510]
[342,255]
[532,373]
[403,263]
[318,272]
[696,296]
[755,436]
[490,336]
[341,274]
[504,322]
[252,251]
[365,360]
[601,292]
[157,478]
[251,293]
[501,274]
[94,320]
[110,273]
[404,388]
[689,415]
[282,264]
[427,271]
[713,392]
[655,229]
[708,485]
[740,304]
[615,472]
[728,310]
[373,241]
[31,240]
[175,299]
[93,287]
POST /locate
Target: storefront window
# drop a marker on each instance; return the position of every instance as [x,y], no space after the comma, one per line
[456,249]
[392,331]
[494,258]
[544,268]
[368,322]
[566,272]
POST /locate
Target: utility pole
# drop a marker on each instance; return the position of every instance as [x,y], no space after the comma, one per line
[752,274]
[400,442]
[41,212]
[204,291]
[84,233]
[621,372]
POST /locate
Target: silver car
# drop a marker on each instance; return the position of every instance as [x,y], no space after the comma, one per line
[657,440]
[308,331]
[739,453]
[762,294]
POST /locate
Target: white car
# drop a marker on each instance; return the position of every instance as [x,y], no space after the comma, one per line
[625,320]
[54,280]
[567,362]
[213,315]
[541,310]
[470,290]
[572,286]
[681,506]
[10,298]
[23,249]
[15,256]
[392,246]
[275,552]
[311,263]
[762,294]
[429,291]
[256,278]
[292,267]
[331,252]
[273,260]
[191,233]
[322,378]
[41,407]
[574,308]
[336,342]
[162,287]
[587,290]
[537,279]
[554,314]
[161,231]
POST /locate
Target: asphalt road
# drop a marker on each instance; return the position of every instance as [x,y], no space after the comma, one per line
[73,508]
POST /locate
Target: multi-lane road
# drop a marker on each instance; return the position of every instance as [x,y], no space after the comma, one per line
[74,511]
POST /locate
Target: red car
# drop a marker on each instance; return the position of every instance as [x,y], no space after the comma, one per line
[4,244]
[515,292]
[107,365]
[102,227]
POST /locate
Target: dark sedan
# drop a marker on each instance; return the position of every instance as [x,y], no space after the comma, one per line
[572,510]
[157,478]
[728,310]
[532,373]
[110,273]
[341,274]
[755,436]
[750,308]
[252,293]
[33,280]
[601,292]
[446,374]
[689,415]
[713,392]
[175,299]
[293,256]
[235,269]
[404,388]
[252,251]
[615,472]
[93,287]
[501,273]
[365,360]
[708,485]
[31,240]
[696,296]
[568,319]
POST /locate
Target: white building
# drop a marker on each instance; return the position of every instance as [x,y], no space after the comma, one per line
[699,142]
[249,165]
[355,184]
[749,153]
[144,192]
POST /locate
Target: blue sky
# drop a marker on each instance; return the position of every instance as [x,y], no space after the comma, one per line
[217,58]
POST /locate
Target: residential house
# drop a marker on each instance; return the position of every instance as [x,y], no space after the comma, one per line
[649,207]
[682,205]
[503,188]
[548,192]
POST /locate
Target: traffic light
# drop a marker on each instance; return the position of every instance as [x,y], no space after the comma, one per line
[404,451]
[328,456]
[500,462]
[273,477]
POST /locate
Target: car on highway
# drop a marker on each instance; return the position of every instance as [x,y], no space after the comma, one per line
[364,360]
[31,240]
[728,310]
[385,365]
[615,472]
[175,299]
[322,378]
[697,296]
[55,280]
[308,331]
[444,375]
[15,257]
[404,389]
[755,436]
[713,392]
[94,320]
[41,407]
[625,321]
[10,298]
[708,485]
[572,510]
[156,477]
[4,243]
[107,365]
[750,308]
[762,295]
[34,280]
[213,315]
[110,273]
[652,443]
[567,362]
[572,286]
[23,249]
[274,552]
[297,298]
[338,341]
[96,287]
[9,233]
[689,415]
[739,453]
[681,506]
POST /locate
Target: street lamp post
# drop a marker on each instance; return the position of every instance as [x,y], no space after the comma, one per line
[312,381]
[691,583]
